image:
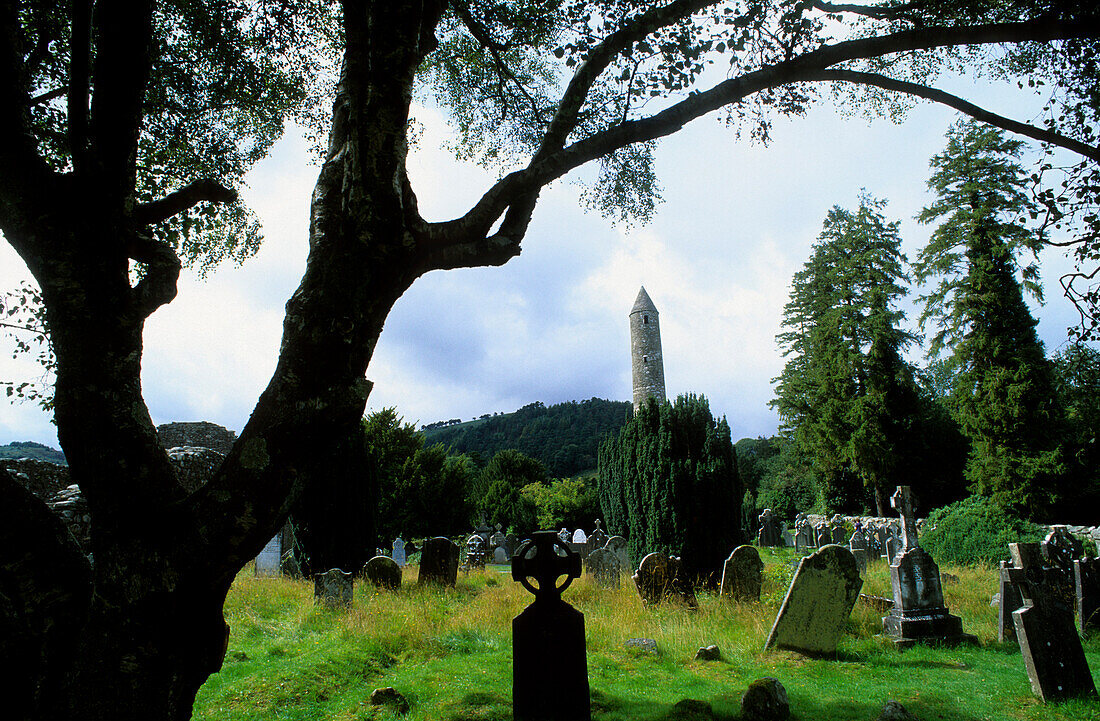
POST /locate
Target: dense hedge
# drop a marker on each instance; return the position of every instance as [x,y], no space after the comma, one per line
[975,530]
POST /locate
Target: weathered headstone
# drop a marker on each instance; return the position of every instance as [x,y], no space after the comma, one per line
[1049,643]
[659,577]
[920,614]
[550,665]
[500,556]
[818,603]
[1060,549]
[838,533]
[605,567]
[439,562]
[475,551]
[768,534]
[858,546]
[742,575]
[804,532]
[822,535]
[564,534]
[1086,578]
[598,538]
[383,572]
[619,546]
[579,536]
[497,540]
[398,552]
[269,559]
[511,543]
[1008,600]
[334,588]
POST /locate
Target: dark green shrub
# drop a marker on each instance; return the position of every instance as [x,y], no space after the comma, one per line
[975,530]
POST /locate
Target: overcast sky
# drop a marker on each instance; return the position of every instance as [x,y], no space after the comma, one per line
[551,325]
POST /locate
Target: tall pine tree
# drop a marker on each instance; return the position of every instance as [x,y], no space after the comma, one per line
[1003,393]
[668,482]
[846,397]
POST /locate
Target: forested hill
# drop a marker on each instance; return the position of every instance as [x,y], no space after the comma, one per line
[564,436]
[30,449]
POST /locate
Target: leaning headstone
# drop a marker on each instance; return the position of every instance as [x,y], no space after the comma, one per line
[920,614]
[550,665]
[605,567]
[500,556]
[618,546]
[1049,643]
[269,560]
[383,572]
[1008,600]
[768,534]
[439,562]
[1086,582]
[398,552]
[660,577]
[742,575]
[818,603]
[334,588]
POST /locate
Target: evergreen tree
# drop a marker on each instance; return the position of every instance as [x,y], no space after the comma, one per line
[503,478]
[668,482]
[846,397]
[1003,394]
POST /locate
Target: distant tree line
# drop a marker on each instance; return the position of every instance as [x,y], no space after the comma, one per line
[564,436]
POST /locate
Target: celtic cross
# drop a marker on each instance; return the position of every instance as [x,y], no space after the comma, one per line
[538,558]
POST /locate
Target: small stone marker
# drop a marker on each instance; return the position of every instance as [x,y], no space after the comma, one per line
[605,568]
[1086,577]
[818,603]
[334,588]
[500,556]
[550,665]
[1049,642]
[919,614]
[659,577]
[765,700]
[742,575]
[389,696]
[439,562]
[709,653]
[383,572]
[397,552]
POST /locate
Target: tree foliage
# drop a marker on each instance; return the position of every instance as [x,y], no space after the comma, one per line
[846,397]
[503,479]
[668,482]
[1003,393]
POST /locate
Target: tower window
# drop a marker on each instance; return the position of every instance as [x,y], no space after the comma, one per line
[645,359]
[645,319]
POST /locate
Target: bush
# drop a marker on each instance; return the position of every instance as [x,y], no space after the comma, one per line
[975,530]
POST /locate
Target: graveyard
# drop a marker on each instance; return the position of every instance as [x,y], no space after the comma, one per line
[448,652]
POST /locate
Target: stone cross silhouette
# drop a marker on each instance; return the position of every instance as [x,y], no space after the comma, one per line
[902,501]
[537,558]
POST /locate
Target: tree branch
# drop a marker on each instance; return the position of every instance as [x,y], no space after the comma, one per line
[205,190]
[79,81]
[805,68]
[47,96]
[963,106]
[896,12]
[162,271]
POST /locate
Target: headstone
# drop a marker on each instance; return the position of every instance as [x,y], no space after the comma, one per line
[500,556]
[334,588]
[659,577]
[605,567]
[919,614]
[439,562]
[383,572]
[511,543]
[579,536]
[742,575]
[1060,549]
[563,534]
[838,534]
[1009,599]
[804,532]
[1049,643]
[618,546]
[858,546]
[398,552]
[768,534]
[818,603]
[822,535]
[497,540]
[550,665]
[598,538]
[270,558]
[1086,577]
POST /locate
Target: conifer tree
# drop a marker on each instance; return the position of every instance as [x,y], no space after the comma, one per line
[846,397]
[668,482]
[1003,394]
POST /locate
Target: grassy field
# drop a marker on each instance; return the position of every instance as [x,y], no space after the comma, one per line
[449,653]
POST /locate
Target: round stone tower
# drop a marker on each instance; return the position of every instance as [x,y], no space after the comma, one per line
[647,363]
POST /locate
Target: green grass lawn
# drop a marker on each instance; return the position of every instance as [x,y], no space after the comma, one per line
[449,653]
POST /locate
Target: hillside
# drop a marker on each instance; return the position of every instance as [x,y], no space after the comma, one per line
[30,449]
[564,436]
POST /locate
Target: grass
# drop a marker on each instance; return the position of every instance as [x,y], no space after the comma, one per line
[449,653]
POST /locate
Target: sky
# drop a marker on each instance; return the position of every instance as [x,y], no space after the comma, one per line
[737,221]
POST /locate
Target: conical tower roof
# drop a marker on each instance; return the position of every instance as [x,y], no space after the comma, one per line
[643,303]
